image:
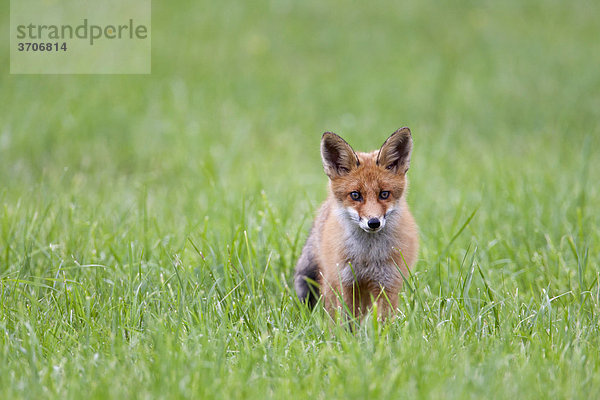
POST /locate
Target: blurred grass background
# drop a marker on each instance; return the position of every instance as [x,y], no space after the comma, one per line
[135,205]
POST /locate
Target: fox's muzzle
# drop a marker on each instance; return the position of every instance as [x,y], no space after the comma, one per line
[372,224]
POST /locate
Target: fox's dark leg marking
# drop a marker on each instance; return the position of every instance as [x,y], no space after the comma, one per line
[307,272]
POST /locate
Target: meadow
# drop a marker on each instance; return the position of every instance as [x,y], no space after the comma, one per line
[150,224]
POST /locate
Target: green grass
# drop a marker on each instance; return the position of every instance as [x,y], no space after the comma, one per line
[149,225]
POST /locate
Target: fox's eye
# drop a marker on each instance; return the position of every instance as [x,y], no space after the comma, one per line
[355,196]
[384,194]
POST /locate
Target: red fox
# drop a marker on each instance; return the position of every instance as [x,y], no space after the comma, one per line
[364,238]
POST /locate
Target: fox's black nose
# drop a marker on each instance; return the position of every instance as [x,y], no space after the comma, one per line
[374,223]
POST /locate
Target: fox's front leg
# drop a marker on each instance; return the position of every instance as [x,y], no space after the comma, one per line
[353,299]
[387,303]
[334,300]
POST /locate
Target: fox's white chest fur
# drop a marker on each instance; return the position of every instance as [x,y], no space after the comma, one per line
[368,255]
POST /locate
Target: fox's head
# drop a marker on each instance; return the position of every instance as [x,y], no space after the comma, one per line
[368,186]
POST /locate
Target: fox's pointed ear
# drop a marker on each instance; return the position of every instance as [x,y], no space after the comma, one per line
[394,155]
[338,157]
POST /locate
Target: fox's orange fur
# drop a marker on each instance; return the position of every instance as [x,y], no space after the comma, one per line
[364,238]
